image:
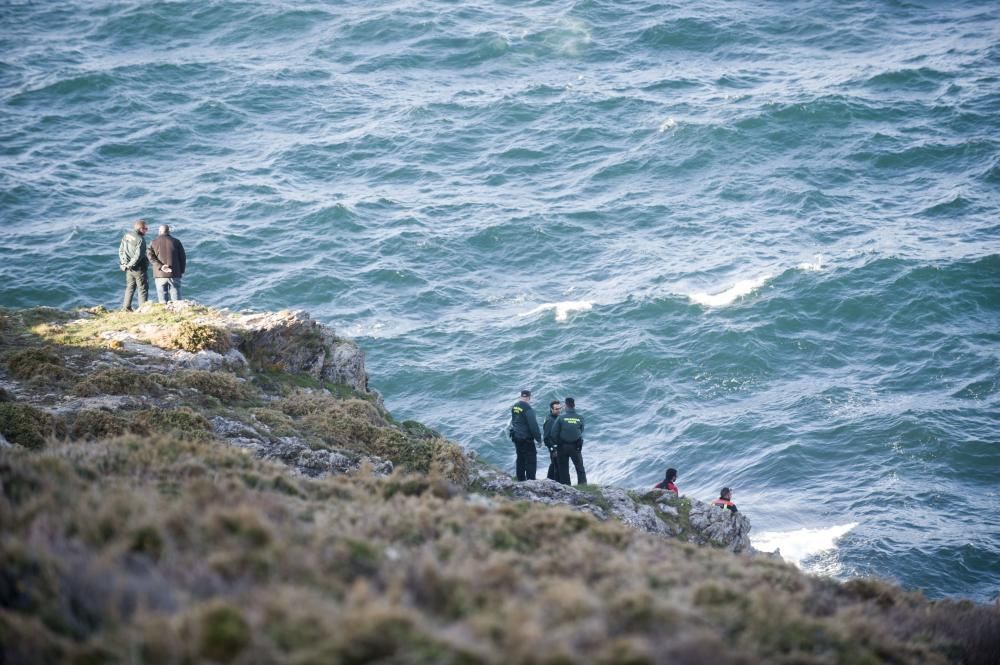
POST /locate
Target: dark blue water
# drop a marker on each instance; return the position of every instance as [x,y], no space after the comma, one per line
[759,243]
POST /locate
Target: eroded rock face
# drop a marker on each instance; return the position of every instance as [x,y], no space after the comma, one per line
[295,343]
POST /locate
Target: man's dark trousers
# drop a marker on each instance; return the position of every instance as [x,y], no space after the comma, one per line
[567,452]
[553,473]
[135,280]
[527,460]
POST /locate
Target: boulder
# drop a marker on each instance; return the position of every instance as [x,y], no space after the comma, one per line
[294,343]
[712,525]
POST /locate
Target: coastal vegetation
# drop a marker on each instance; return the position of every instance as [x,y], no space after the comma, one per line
[150,513]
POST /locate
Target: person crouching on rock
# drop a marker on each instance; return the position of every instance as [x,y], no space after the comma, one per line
[524,433]
[725,499]
[668,482]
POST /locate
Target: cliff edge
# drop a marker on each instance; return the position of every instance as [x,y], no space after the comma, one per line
[184,484]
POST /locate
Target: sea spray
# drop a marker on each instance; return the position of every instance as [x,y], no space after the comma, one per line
[798,545]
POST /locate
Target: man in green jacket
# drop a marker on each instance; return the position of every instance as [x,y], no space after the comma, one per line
[567,431]
[524,433]
[132,260]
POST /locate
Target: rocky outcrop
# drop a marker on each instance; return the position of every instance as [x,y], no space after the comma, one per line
[289,342]
[294,343]
[292,451]
[652,511]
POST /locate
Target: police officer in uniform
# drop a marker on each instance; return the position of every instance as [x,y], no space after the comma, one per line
[524,433]
[567,431]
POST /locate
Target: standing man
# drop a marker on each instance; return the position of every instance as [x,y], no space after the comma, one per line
[554,408]
[524,433]
[132,260]
[166,253]
[567,430]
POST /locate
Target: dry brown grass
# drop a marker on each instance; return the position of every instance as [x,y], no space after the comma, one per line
[172,551]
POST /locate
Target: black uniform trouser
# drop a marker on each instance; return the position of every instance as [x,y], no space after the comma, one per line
[527,460]
[553,473]
[135,280]
[567,452]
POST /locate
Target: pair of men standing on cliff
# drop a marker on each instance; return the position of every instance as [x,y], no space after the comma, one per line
[166,253]
[562,434]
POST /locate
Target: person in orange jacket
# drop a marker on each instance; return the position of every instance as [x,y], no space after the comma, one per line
[725,500]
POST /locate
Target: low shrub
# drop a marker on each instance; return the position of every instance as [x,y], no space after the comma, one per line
[277,422]
[182,423]
[119,381]
[95,424]
[194,337]
[25,425]
[222,385]
[37,364]
[224,633]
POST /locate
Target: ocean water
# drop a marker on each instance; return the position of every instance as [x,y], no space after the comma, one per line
[758,242]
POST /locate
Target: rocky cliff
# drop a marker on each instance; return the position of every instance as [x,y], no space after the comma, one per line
[185,484]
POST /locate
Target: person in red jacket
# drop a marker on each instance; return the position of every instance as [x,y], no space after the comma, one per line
[668,482]
[725,500]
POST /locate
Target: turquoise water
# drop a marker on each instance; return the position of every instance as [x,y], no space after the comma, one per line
[757,242]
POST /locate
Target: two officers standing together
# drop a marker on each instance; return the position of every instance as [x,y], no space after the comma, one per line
[166,253]
[562,434]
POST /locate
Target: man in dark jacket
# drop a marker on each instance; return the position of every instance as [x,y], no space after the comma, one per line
[132,260]
[567,430]
[166,253]
[524,433]
[554,408]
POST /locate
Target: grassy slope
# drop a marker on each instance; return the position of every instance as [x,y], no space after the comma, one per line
[145,541]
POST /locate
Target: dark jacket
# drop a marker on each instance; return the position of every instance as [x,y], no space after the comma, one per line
[568,428]
[547,439]
[523,424]
[132,252]
[165,251]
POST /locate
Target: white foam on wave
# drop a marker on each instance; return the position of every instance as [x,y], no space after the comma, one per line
[800,544]
[815,266]
[729,296]
[562,309]
[667,124]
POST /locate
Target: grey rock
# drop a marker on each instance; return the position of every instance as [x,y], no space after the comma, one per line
[295,453]
[232,429]
[634,514]
[112,403]
[720,527]
[301,345]
[4,443]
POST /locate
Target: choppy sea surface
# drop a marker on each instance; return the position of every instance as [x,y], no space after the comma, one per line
[758,242]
